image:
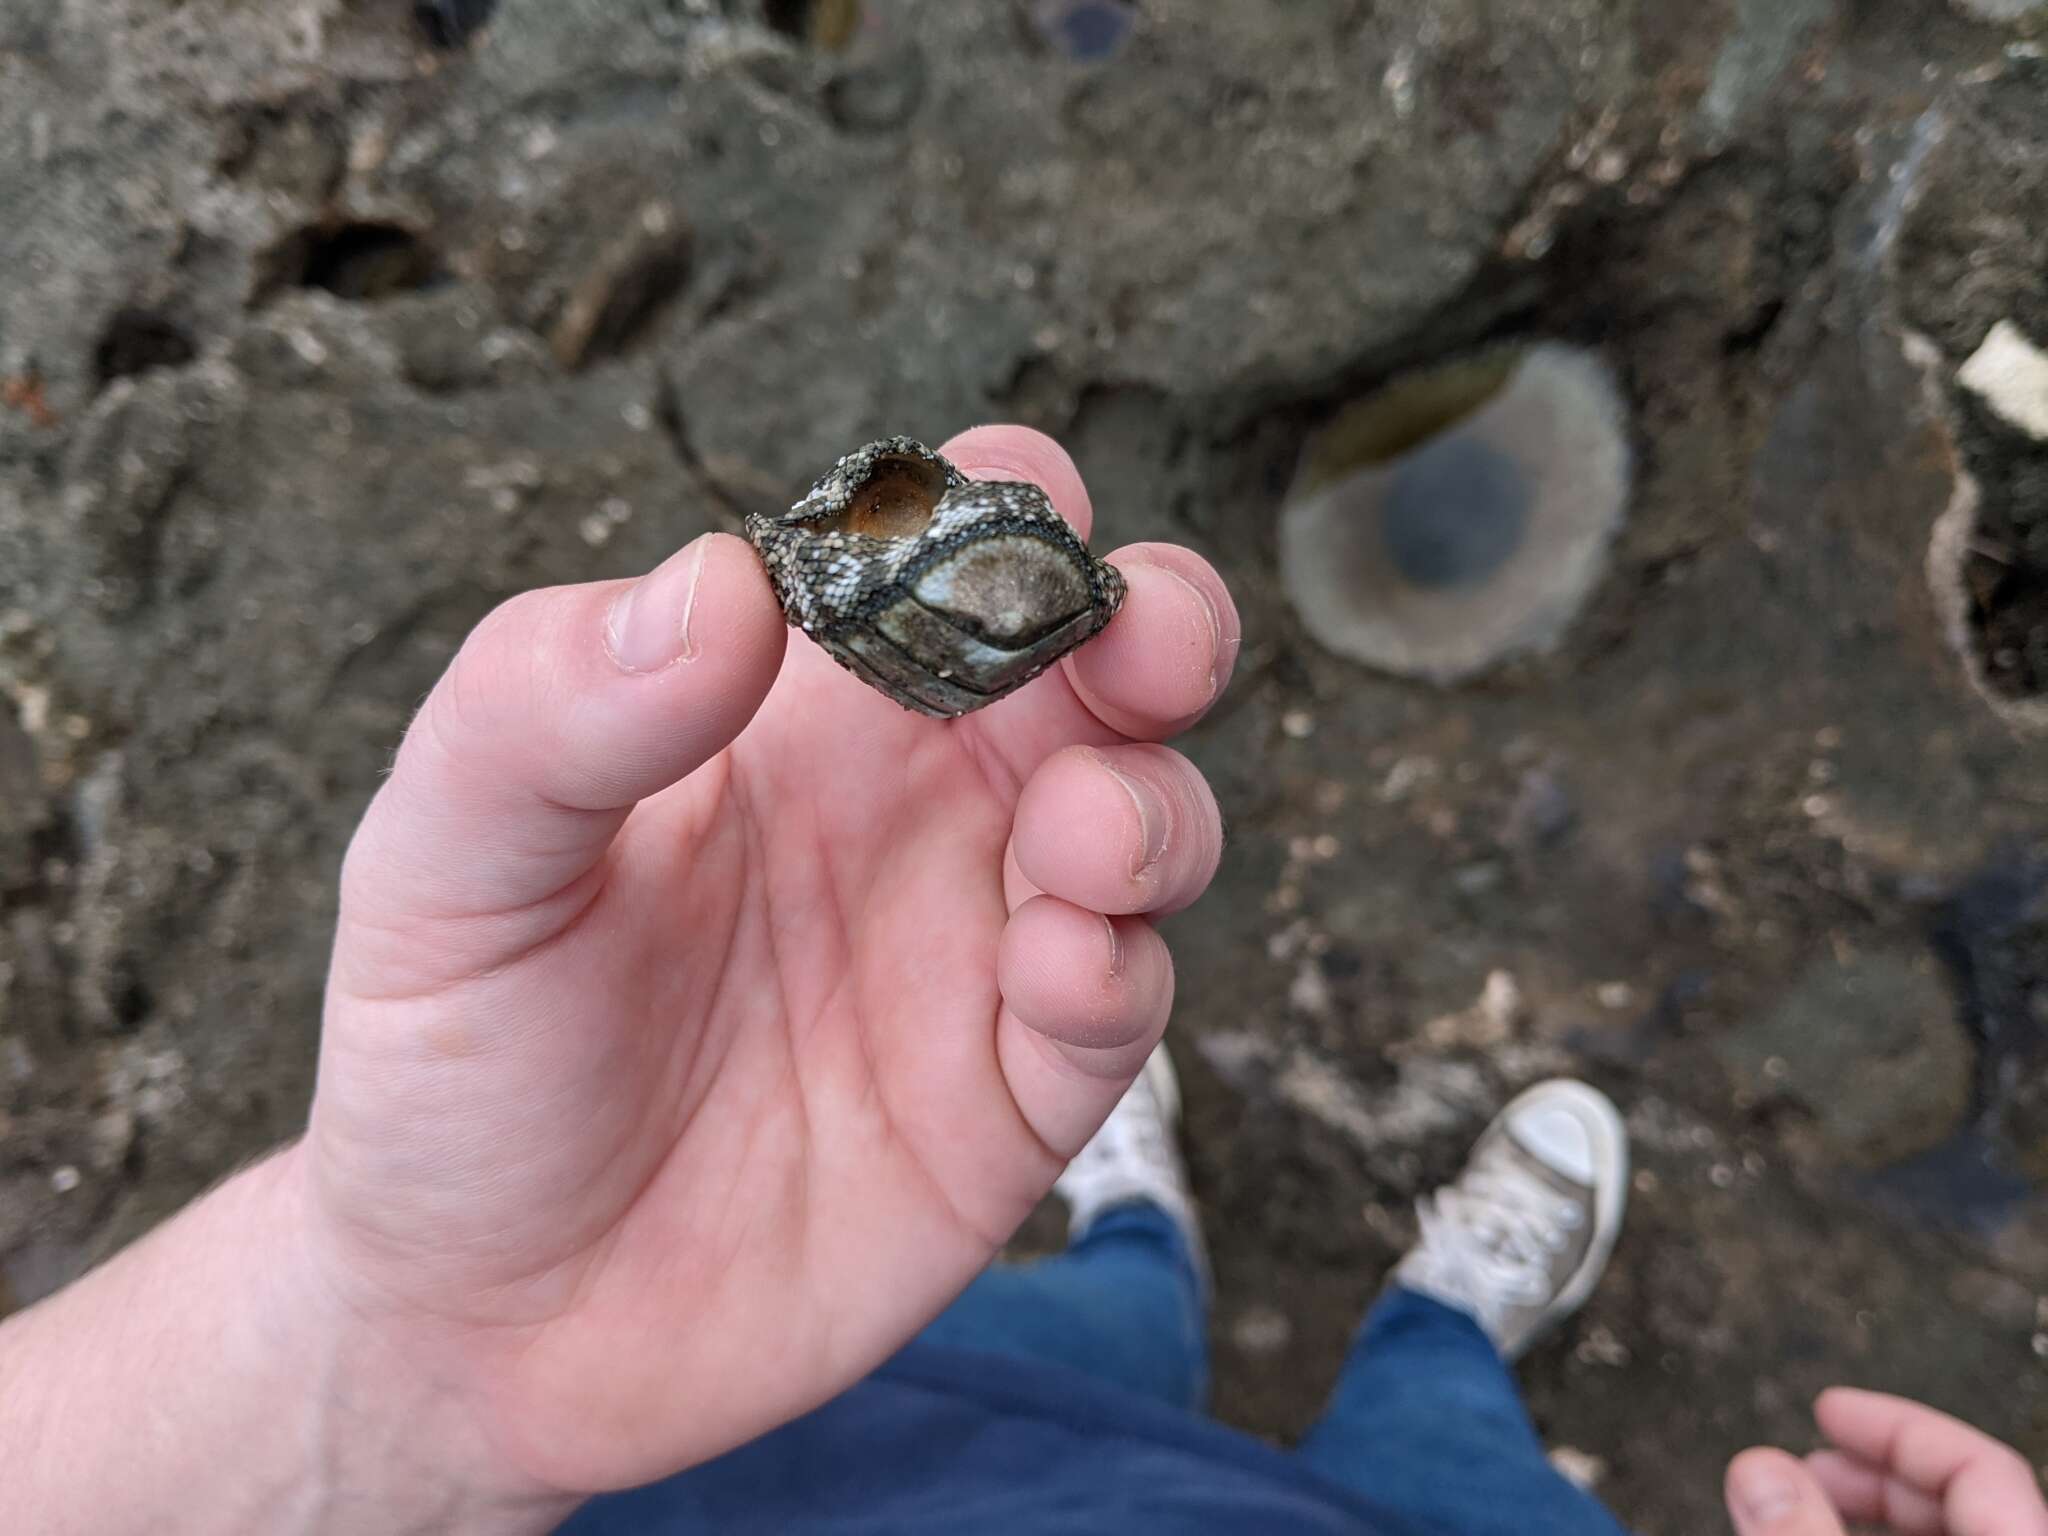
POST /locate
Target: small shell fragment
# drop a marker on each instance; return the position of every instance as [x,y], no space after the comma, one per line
[2010,374]
[942,592]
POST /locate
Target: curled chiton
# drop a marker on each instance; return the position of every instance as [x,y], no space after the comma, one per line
[945,593]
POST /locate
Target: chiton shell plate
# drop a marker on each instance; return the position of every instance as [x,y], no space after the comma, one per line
[942,592]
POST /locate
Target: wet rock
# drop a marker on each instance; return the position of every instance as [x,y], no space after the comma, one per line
[1964,1185]
[1871,1047]
[1993,932]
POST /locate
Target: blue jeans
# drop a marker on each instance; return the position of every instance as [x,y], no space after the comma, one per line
[1425,1421]
[1123,1305]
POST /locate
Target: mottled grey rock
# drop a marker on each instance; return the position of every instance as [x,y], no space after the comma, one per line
[1872,1047]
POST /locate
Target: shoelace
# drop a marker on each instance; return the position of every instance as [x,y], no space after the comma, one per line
[1500,1226]
[1128,1132]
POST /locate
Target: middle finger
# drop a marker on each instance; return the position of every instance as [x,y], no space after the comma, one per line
[1120,829]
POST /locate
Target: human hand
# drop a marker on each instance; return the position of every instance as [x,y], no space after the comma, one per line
[701,1022]
[1895,1465]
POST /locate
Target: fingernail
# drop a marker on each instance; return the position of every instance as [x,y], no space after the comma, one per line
[1764,1493]
[1116,947]
[649,625]
[1207,608]
[1151,818]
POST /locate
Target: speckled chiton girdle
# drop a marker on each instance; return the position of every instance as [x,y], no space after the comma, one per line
[945,593]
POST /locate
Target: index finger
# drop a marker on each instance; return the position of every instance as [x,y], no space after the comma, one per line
[1157,667]
[1018,453]
[1985,1488]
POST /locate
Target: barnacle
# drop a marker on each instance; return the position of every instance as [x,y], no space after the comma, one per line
[1461,515]
[945,593]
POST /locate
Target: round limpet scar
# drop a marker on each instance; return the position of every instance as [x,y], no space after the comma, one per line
[942,592]
[1462,514]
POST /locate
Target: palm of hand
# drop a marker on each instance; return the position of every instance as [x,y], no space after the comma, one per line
[753,1065]
[784,994]
[802,979]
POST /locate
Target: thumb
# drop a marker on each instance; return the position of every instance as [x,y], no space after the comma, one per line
[1770,1493]
[565,707]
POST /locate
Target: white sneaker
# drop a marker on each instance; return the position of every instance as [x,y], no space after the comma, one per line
[1135,1157]
[1520,1240]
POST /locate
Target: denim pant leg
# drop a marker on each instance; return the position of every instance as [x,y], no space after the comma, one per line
[1426,1421]
[1124,1305]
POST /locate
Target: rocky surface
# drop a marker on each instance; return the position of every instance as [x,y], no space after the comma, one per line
[321,332]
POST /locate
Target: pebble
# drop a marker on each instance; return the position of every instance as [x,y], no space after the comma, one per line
[1405,775]
[1601,1347]
[1310,992]
[1581,1469]
[1543,811]
[1261,1331]
[1477,879]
